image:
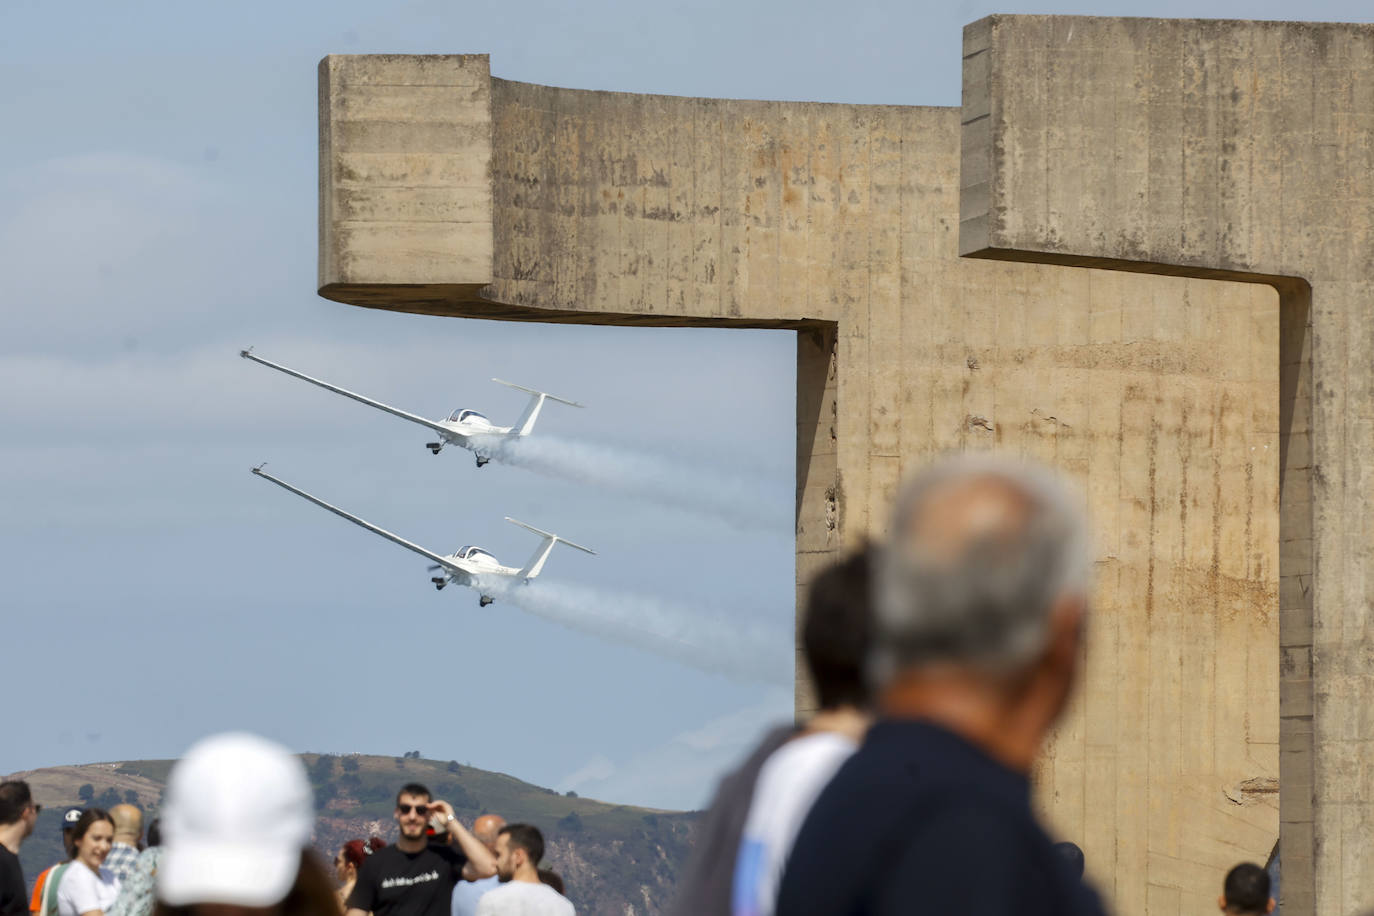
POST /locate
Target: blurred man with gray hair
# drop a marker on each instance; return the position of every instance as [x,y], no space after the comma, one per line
[980,593]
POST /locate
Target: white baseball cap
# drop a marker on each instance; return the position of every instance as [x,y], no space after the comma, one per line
[237,814]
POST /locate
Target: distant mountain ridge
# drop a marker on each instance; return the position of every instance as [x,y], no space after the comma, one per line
[614,858]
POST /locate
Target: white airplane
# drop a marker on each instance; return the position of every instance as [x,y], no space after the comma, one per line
[470,566]
[465,428]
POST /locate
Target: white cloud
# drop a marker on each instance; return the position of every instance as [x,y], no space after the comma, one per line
[598,769]
[681,772]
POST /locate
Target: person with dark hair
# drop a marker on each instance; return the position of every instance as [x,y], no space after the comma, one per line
[136,897]
[237,819]
[469,891]
[43,901]
[18,816]
[88,888]
[414,877]
[350,859]
[519,849]
[835,636]
[1246,891]
[980,594]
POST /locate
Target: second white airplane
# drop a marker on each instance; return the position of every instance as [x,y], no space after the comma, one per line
[470,566]
[465,428]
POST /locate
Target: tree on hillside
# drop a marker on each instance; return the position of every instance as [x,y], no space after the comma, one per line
[131,797]
[86,793]
[323,768]
[453,766]
[325,794]
[108,799]
[350,764]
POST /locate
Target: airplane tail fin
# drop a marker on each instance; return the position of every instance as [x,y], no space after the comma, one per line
[541,554]
[525,424]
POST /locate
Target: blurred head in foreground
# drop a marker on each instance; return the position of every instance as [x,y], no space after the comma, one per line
[236,824]
[1246,891]
[980,596]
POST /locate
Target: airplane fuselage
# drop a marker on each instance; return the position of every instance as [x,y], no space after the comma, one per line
[465,429]
[475,568]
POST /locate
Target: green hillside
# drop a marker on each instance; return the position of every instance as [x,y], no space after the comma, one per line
[613,858]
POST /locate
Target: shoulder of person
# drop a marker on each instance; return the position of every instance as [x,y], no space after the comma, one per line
[448,853]
[76,882]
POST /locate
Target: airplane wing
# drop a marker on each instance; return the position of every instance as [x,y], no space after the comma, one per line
[394,411]
[395,539]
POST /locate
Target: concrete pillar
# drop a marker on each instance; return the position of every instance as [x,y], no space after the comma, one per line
[1238,150]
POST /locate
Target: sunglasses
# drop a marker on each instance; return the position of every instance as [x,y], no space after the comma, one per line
[418,809]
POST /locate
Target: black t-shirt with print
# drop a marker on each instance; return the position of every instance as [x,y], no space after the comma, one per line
[396,883]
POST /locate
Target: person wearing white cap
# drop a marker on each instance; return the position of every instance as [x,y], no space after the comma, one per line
[236,827]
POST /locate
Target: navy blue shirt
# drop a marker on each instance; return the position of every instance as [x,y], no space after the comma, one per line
[921,821]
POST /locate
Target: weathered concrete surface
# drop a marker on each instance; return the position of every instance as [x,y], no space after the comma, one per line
[1241,150]
[405,162]
[1157,394]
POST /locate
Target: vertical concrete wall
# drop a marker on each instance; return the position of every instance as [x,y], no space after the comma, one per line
[1241,150]
[1156,394]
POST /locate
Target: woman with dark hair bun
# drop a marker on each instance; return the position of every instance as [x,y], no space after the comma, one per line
[349,860]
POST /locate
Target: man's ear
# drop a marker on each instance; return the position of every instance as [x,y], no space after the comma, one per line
[1270,907]
[1221,902]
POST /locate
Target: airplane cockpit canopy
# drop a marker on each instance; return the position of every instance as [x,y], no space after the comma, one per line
[468,552]
[462,416]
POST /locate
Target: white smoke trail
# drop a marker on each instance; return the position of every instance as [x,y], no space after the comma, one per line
[741,500]
[740,649]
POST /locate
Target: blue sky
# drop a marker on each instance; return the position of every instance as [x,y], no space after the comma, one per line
[158,213]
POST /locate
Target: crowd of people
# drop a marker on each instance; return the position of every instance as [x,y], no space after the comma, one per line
[941,658]
[234,840]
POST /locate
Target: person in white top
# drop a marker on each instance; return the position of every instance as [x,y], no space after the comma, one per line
[835,639]
[468,892]
[519,847]
[89,889]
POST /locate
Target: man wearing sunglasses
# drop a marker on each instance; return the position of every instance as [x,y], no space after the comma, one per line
[414,877]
